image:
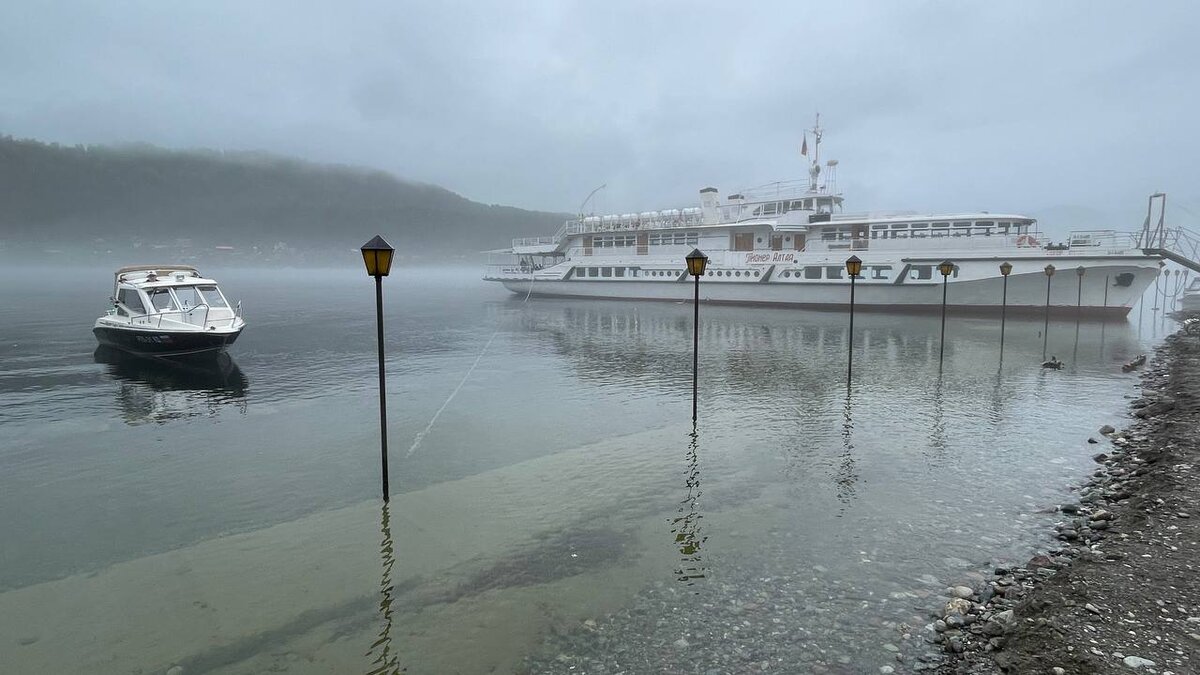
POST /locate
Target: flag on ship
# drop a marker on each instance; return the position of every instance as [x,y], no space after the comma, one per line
[804,145]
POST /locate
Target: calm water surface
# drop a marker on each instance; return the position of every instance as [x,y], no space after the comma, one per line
[548,489]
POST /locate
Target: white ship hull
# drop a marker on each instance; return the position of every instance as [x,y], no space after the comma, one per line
[1098,294]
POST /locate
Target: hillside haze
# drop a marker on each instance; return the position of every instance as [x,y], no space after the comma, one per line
[125,201]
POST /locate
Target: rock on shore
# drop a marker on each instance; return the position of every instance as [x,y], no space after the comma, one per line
[1122,593]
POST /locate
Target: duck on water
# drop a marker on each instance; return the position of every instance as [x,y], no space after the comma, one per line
[168,311]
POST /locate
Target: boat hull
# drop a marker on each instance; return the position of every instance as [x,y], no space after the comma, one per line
[1096,296]
[166,343]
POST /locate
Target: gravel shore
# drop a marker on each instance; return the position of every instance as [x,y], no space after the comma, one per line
[1121,595]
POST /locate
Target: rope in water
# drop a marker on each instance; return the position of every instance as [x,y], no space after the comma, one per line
[421,435]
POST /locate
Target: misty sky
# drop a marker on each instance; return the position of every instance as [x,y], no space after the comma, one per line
[930,106]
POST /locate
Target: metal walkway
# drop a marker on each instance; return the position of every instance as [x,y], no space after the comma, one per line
[1177,244]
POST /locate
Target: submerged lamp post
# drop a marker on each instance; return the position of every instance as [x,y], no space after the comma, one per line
[1005,270]
[696,262]
[946,268]
[1079,271]
[377,255]
[853,267]
[1046,328]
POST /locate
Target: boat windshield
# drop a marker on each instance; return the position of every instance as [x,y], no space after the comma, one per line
[212,296]
[188,296]
[162,300]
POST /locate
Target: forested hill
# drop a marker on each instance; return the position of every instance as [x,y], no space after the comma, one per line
[116,197]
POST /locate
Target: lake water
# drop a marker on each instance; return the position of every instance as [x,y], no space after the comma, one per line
[552,509]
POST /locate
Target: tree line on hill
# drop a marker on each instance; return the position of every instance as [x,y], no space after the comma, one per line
[118,196]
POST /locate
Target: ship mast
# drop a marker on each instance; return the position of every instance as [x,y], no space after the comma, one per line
[814,170]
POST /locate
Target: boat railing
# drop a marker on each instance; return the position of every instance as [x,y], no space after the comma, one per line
[1110,240]
[633,222]
[188,313]
[510,270]
[533,241]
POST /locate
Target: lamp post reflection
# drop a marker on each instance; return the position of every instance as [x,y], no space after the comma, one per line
[386,662]
[1046,328]
[686,527]
[846,477]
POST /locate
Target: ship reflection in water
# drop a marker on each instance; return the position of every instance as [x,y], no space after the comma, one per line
[159,390]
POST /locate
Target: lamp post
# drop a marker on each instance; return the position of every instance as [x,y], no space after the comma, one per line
[377,255]
[853,268]
[946,268]
[1005,270]
[1046,328]
[696,262]
[1079,272]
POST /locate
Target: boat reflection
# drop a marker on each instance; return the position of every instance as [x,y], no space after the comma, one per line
[160,390]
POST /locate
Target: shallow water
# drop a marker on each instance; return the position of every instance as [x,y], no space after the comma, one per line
[544,474]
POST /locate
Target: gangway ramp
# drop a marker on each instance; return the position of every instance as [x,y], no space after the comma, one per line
[1177,244]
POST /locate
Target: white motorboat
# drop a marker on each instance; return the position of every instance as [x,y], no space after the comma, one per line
[169,311]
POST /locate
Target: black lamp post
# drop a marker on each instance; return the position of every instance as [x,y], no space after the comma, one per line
[853,268]
[946,268]
[696,262]
[1005,270]
[377,255]
[1079,271]
[1046,328]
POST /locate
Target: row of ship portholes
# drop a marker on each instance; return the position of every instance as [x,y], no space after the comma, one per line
[733,273]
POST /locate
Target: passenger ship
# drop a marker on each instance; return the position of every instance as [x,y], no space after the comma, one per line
[787,244]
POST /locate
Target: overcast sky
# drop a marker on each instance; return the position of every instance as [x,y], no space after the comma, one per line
[930,106]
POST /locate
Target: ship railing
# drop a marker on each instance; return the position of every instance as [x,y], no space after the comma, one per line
[785,189]
[510,271]
[634,223]
[534,241]
[1102,239]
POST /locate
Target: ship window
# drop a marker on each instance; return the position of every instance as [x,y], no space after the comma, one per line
[833,272]
[812,272]
[920,226]
[132,300]
[828,235]
[619,271]
[161,299]
[797,205]
[212,296]
[594,272]
[962,223]
[921,272]
[941,224]
[879,227]
[693,238]
[606,271]
[808,204]
[881,271]
[770,209]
